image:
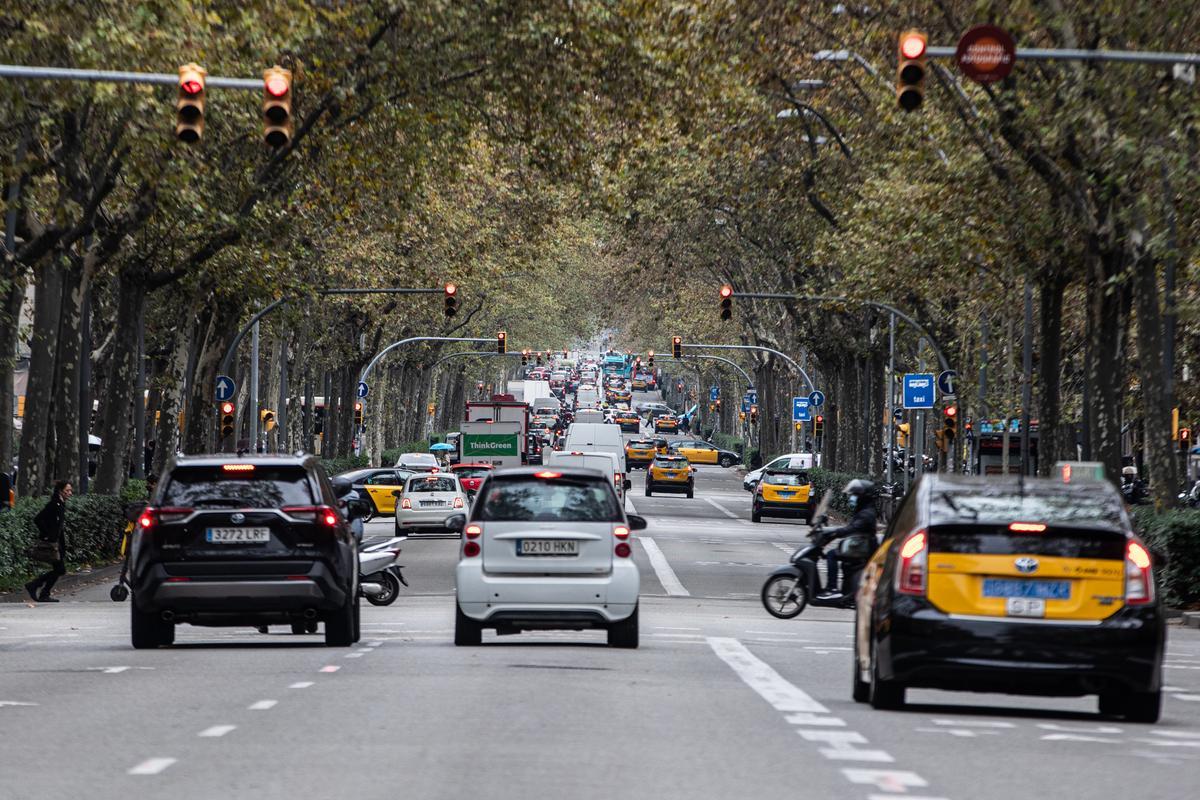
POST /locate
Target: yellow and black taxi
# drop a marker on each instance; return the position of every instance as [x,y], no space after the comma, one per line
[783,493]
[377,487]
[662,446]
[639,453]
[619,395]
[629,421]
[639,383]
[670,473]
[666,423]
[698,452]
[995,585]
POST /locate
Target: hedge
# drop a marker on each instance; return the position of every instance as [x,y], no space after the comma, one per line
[94,525]
[1175,534]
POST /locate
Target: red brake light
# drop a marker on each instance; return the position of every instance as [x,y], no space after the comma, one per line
[910,577]
[473,530]
[547,474]
[328,517]
[405,503]
[458,503]
[471,549]
[1139,580]
[237,468]
[1027,527]
[621,532]
[277,85]
[146,520]
[623,550]
[1066,473]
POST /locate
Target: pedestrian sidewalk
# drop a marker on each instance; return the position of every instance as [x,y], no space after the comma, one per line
[71,583]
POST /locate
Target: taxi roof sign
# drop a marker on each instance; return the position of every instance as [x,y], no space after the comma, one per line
[1073,471]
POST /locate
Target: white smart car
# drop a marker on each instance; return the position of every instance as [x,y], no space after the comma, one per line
[426,500]
[545,549]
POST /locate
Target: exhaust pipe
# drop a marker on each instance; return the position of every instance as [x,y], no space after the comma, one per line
[310,613]
[370,589]
[168,616]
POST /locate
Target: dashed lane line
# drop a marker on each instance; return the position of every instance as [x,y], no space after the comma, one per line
[152,766]
[666,575]
[216,731]
[301,685]
[722,508]
[262,705]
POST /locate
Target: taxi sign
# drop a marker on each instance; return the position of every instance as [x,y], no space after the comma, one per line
[919,390]
[801,410]
[1075,471]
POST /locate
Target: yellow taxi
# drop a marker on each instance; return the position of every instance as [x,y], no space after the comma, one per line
[667,423]
[629,421]
[639,453]
[670,474]
[783,493]
[698,452]
[994,585]
[639,384]
[377,487]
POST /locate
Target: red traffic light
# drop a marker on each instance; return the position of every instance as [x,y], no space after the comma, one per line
[192,86]
[912,45]
[226,408]
[277,84]
[451,288]
[951,411]
[726,291]
[820,418]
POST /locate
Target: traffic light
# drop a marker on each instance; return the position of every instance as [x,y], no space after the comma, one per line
[754,413]
[539,358]
[525,357]
[358,415]
[564,355]
[910,72]
[451,299]
[950,423]
[1185,439]
[189,108]
[677,346]
[650,359]
[726,302]
[718,404]
[277,107]
[742,416]
[819,425]
[228,419]
[267,416]
[501,342]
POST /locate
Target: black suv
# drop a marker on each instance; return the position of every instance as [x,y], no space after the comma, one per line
[239,541]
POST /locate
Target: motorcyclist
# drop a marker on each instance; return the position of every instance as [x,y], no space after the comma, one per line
[858,534]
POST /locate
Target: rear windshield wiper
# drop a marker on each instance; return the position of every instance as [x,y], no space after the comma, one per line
[954,507]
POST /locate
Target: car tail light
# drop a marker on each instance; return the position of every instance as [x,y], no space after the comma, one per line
[621,532]
[406,503]
[471,549]
[237,468]
[322,515]
[458,503]
[473,531]
[1139,579]
[914,557]
[159,516]
[623,550]
[1027,527]
[547,474]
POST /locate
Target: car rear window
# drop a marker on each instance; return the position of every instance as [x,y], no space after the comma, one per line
[561,499]
[1002,504]
[432,483]
[1054,541]
[471,472]
[786,478]
[255,487]
[671,463]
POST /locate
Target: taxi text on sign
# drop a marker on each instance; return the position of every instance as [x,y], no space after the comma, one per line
[919,390]
[801,411]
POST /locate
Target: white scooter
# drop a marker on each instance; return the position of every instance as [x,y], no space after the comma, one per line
[379,576]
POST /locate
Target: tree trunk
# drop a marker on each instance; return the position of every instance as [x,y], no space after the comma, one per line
[171,401]
[64,461]
[117,426]
[35,432]
[1156,411]
[1106,326]
[10,320]
[1051,444]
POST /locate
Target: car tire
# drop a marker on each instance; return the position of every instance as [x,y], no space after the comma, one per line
[1133,706]
[726,462]
[648,490]
[357,620]
[148,631]
[755,516]
[467,632]
[883,695]
[860,690]
[691,493]
[624,634]
[339,625]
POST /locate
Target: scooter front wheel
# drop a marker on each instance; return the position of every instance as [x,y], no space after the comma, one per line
[784,596]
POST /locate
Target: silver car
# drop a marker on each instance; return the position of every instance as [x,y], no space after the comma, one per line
[426,500]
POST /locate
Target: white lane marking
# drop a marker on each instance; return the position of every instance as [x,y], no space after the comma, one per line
[887,780]
[721,508]
[301,685]
[262,705]
[1193,698]
[363,650]
[1053,726]
[666,575]
[967,723]
[759,676]
[330,668]
[374,644]
[630,506]
[152,766]
[354,655]
[673,628]
[216,731]
[842,746]
[15,703]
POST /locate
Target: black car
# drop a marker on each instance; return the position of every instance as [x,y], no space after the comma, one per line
[248,541]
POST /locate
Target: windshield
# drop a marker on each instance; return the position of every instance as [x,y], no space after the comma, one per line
[260,487]
[432,484]
[471,472]
[1079,507]
[671,463]
[549,500]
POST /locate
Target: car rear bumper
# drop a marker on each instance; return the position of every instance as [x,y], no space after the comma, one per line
[186,588]
[783,509]
[932,649]
[669,486]
[425,519]
[556,602]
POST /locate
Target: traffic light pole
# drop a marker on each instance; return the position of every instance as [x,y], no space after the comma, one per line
[749,385]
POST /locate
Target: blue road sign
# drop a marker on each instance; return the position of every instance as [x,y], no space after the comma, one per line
[752,396]
[363,389]
[817,398]
[746,404]
[713,393]
[947,383]
[801,411]
[919,391]
[226,388]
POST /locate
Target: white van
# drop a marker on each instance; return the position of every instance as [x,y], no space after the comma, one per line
[607,463]
[547,405]
[587,396]
[592,415]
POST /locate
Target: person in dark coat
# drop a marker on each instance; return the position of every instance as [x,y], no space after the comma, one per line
[860,529]
[50,523]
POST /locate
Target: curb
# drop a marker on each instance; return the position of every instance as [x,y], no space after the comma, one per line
[1191,619]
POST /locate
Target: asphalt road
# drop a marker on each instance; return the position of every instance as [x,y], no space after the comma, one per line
[720,701]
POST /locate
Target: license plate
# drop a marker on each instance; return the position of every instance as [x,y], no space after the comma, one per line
[432,503]
[237,535]
[1025,607]
[547,547]
[786,494]
[1038,590]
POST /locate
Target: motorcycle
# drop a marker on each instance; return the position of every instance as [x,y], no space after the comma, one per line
[789,590]
[377,567]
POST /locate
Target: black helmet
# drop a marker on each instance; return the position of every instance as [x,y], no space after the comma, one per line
[861,488]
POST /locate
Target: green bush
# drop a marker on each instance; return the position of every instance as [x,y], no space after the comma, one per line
[333,466]
[1175,534]
[823,479]
[94,525]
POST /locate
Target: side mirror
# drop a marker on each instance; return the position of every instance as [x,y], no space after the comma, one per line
[456,522]
[636,522]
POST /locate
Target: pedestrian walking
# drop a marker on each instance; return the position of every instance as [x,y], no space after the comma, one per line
[51,545]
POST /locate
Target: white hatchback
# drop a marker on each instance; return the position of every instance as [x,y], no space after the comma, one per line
[547,549]
[426,500]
